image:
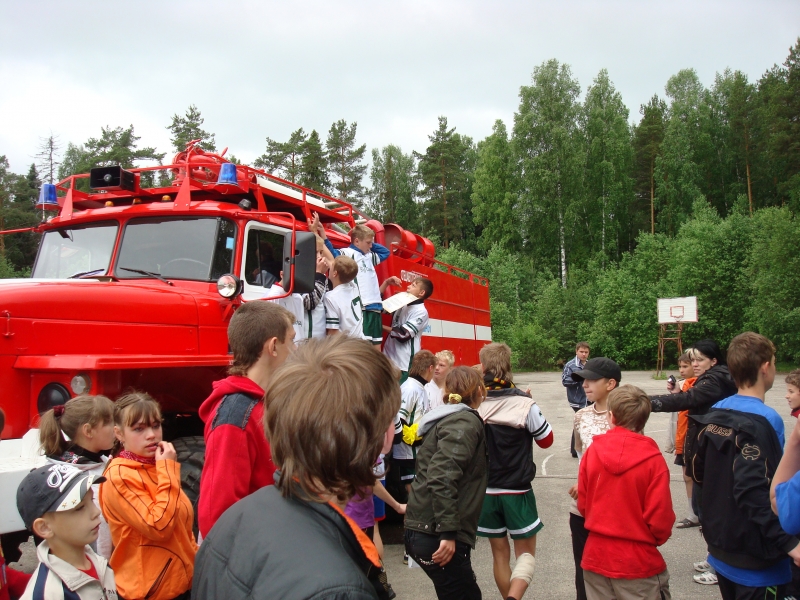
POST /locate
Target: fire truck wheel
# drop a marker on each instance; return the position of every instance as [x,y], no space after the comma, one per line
[191,454]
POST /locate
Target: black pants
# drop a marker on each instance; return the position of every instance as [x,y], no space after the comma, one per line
[454,581]
[734,591]
[579,536]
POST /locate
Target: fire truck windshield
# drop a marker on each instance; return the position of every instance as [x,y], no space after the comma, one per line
[198,249]
[76,251]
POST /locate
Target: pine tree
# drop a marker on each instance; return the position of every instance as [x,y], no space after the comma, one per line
[445,172]
[392,198]
[647,138]
[345,167]
[186,128]
[47,157]
[313,166]
[494,192]
[284,159]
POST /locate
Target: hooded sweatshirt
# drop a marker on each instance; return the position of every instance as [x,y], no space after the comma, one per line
[238,458]
[623,492]
[54,579]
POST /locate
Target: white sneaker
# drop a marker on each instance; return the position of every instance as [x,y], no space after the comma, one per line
[702,566]
[707,578]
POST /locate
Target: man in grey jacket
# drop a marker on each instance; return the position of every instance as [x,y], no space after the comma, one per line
[575,394]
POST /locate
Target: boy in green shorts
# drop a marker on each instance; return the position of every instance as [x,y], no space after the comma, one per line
[513,422]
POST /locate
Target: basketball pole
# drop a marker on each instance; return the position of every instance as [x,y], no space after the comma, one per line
[668,332]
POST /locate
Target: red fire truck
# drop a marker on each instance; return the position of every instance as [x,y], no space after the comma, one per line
[138,274]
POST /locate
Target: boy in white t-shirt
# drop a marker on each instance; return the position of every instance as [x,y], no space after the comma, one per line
[343,312]
[435,388]
[408,323]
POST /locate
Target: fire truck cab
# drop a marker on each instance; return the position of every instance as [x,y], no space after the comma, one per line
[138,274]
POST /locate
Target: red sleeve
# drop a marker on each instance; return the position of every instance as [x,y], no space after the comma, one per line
[547,441]
[226,474]
[17,582]
[583,481]
[658,513]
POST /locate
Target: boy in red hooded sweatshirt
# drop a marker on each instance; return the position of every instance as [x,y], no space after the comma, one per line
[623,491]
[238,459]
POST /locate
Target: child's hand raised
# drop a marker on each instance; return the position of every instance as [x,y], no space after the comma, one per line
[166,451]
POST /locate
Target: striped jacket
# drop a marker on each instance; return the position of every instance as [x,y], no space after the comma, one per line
[56,579]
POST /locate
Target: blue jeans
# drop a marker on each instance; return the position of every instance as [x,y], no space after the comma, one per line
[454,581]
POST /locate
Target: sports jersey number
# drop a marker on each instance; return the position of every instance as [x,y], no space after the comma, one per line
[356,302]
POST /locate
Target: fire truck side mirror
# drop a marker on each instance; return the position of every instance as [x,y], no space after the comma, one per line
[304,256]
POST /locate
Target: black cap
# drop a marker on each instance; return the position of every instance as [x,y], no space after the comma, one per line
[598,368]
[52,488]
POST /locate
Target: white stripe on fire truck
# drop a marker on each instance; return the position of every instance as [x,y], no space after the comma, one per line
[457,330]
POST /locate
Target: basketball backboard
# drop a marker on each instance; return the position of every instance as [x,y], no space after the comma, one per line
[677,310]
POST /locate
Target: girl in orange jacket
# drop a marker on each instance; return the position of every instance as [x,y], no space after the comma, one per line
[149,515]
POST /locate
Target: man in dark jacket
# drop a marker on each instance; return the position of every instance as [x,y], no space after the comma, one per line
[328,416]
[739,446]
[238,461]
[575,394]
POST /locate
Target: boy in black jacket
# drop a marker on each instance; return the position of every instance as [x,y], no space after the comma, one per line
[739,445]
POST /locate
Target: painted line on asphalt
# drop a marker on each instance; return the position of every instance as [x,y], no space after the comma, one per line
[544,463]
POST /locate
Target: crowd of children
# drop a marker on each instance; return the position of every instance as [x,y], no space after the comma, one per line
[300,435]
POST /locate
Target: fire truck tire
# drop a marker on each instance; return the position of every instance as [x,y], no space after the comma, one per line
[191,455]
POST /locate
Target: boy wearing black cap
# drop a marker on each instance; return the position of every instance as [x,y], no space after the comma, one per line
[598,377]
[55,502]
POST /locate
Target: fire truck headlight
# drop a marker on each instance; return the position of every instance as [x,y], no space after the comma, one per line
[80,384]
[229,286]
[52,395]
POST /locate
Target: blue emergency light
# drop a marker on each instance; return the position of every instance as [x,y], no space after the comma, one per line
[227,174]
[47,197]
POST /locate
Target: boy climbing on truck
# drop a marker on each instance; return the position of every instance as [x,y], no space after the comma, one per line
[238,458]
[367,254]
[408,323]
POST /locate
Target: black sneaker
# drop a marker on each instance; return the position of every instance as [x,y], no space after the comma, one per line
[405,558]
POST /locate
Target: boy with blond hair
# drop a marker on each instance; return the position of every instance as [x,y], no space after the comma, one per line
[435,387]
[739,444]
[367,254]
[343,309]
[623,492]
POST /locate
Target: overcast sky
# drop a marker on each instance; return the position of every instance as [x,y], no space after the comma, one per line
[258,68]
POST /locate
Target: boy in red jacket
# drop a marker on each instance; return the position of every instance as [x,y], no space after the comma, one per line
[238,459]
[623,491]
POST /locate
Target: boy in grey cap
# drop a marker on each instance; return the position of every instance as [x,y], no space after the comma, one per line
[55,502]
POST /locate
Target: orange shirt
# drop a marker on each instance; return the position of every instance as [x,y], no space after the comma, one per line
[151,528]
[683,419]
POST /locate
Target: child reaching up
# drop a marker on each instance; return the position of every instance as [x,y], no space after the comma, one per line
[55,502]
[149,515]
[408,323]
[88,423]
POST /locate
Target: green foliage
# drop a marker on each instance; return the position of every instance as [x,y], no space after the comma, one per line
[345,162]
[393,196]
[186,128]
[313,165]
[445,173]
[284,159]
[774,269]
[493,192]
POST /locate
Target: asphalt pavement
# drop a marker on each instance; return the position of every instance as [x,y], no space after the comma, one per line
[556,472]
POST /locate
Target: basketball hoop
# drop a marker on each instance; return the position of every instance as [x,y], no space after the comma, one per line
[672,314]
